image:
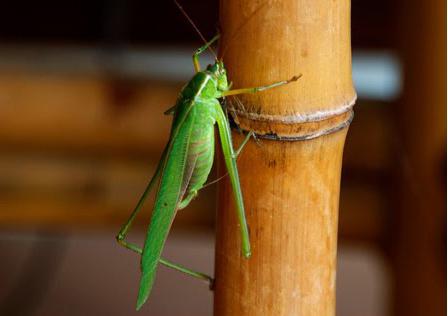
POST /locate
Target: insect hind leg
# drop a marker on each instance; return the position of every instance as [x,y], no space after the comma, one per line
[195,274]
[172,265]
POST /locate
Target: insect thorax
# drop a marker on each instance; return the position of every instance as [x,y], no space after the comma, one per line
[205,85]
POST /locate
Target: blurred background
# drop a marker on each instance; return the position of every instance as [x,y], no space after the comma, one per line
[83,85]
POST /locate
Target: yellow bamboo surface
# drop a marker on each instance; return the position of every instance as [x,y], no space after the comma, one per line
[268,41]
[290,188]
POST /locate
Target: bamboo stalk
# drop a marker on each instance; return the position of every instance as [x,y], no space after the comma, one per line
[290,187]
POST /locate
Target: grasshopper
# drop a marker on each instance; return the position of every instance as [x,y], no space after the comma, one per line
[186,163]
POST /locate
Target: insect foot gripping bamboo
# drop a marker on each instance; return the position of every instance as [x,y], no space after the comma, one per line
[291,180]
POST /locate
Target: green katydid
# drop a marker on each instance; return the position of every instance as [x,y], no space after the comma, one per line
[186,163]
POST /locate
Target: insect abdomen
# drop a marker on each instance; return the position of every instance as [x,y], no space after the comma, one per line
[202,148]
[204,161]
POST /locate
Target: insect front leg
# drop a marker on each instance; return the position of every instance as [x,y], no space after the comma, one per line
[200,50]
[261,88]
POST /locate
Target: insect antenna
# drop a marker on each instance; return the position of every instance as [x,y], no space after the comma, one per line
[239,28]
[195,28]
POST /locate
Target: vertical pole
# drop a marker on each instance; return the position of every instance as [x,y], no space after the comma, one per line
[419,252]
[291,180]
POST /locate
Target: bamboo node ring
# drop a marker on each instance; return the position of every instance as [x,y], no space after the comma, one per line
[294,127]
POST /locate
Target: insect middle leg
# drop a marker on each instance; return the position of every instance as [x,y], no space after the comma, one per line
[200,50]
[246,139]
[184,203]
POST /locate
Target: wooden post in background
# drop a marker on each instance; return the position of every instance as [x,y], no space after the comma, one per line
[291,181]
[419,251]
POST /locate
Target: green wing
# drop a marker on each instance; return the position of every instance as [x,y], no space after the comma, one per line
[167,198]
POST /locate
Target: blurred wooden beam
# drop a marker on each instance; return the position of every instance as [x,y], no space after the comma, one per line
[78,113]
[73,193]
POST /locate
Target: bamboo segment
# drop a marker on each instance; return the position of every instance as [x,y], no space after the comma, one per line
[275,40]
[292,208]
[290,188]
